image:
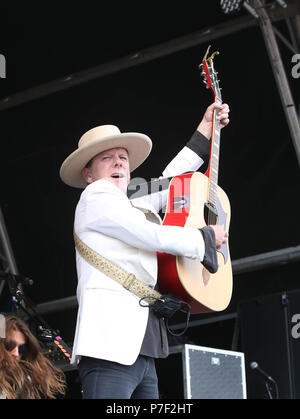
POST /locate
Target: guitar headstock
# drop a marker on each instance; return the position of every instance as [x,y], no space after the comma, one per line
[210,75]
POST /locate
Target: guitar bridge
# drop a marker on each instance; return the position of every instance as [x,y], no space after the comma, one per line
[210,214]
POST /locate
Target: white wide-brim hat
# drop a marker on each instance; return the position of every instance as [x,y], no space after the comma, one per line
[99,139]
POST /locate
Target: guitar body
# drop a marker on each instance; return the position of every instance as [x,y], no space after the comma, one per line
[187,278]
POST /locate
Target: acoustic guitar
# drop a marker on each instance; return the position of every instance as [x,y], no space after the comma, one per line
[196,200]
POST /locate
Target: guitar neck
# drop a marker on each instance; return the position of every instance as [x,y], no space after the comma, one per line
[212,83]
[213,169]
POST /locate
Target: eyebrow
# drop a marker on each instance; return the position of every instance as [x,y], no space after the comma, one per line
[89,163]
[122,153]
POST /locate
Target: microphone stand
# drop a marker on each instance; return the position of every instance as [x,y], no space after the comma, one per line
[45,332]
[269,389]
[268,380]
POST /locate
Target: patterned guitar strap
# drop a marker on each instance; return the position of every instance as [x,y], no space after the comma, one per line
[127,280]
[163,305]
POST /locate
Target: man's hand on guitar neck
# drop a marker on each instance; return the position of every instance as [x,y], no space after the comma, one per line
[205,126]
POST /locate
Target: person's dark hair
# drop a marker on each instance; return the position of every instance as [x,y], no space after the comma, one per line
[32,377]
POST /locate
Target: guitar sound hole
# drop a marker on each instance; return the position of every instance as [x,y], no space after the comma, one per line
[210,214]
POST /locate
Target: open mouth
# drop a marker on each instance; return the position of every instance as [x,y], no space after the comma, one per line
[117,175]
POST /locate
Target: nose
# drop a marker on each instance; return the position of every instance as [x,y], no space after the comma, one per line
[15,352]
[117,161]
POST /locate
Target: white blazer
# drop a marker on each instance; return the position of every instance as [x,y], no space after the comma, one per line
[111,324]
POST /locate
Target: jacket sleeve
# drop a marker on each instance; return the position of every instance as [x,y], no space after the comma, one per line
[114,216]
[210,259]
[189,159]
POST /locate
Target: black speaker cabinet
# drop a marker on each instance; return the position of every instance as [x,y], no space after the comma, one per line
[270,338]
[211,373]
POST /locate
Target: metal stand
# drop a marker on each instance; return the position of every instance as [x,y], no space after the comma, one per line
[44,332]
[269,390]
[279,73]
[7,259]
[287,316]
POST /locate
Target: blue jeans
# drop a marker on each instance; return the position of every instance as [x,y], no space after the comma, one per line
[103,379]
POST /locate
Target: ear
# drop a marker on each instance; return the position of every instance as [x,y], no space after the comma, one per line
[86,173]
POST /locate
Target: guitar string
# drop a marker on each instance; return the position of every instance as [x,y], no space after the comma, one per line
[211,215]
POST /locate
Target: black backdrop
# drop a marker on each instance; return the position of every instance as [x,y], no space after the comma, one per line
[163,98]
